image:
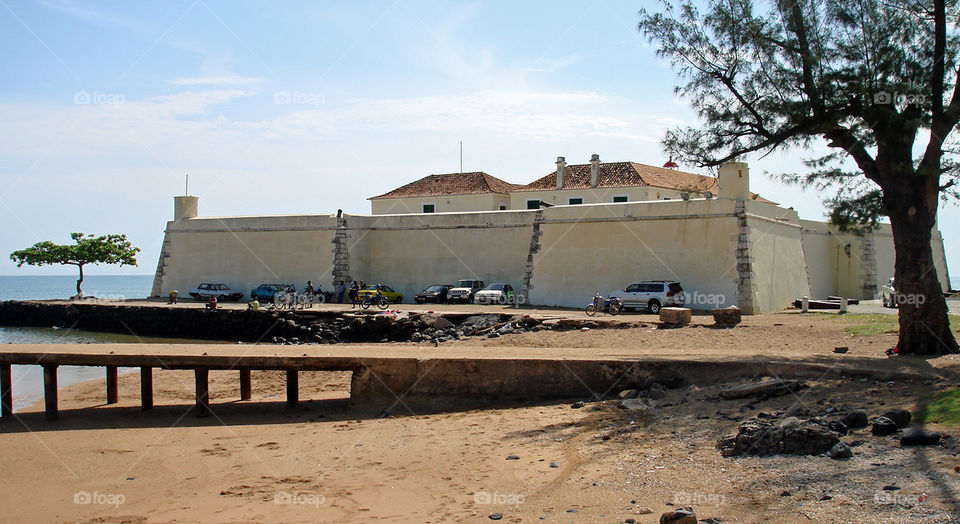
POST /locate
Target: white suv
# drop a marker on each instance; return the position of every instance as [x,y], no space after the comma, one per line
[651,295]
[464,290]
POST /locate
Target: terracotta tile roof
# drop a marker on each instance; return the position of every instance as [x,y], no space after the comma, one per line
[629,174]
[452,184]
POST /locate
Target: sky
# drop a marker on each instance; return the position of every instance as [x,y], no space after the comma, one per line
[310,107]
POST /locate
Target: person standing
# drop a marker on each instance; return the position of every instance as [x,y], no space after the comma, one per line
[341,289]
[354,295]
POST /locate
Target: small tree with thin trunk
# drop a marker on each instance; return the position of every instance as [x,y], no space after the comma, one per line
[875,80]
[88,249]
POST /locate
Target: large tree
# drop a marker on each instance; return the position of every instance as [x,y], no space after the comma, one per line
[875,80]
[87,249]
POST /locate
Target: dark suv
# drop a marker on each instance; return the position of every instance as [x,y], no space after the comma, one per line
[463,290]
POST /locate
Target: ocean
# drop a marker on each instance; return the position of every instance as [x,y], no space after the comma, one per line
[28,380]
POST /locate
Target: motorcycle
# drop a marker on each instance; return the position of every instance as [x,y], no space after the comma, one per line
[610,306]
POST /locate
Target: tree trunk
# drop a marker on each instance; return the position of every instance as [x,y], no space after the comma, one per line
[79,282]
[924,324]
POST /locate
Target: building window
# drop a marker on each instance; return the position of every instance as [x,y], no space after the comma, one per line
[428,208]
[666,198]
[620,198]
[533,204]
[503,207]
[575,201]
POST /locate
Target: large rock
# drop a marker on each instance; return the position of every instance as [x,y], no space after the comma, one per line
[442,323]
[883,426]
[900,417]
[680,516]
[840,450]
[790,436]
[770,388]
[727,317]
[855,419]
[919,437]
[675,316]
[633,404]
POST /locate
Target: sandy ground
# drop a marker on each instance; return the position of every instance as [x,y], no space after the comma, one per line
[260,461]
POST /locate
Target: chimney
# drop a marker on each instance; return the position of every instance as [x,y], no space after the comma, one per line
[734,181]
[561,170]
[185,207]
[594,170]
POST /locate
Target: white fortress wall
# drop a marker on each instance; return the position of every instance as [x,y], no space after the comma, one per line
[411,252]
[244,252]
[590,248]
[777,266]
[836,269]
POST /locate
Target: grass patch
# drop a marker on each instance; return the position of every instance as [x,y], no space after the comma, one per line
[878,324]
[943,408]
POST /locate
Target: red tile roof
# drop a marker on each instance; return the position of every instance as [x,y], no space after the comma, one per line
[452,184]
[629,174]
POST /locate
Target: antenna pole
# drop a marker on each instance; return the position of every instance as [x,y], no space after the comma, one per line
[186,186]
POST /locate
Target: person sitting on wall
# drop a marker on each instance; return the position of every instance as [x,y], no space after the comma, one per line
[212,303]
[173,296]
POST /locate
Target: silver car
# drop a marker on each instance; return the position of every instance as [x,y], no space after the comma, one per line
[651,295]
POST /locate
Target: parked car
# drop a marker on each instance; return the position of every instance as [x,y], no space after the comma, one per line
[370,289]
[435,293]
[496,293]
[651,295]
[464,290]
[266,292]
[221,291]
[888,294]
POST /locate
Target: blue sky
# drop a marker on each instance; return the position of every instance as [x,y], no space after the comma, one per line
[303,107]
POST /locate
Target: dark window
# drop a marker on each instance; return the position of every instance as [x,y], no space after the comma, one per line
[575,201]
[619,199]
[502,207]
[428,208]
[633,288]
[652,288]
[533,204]
[675,288]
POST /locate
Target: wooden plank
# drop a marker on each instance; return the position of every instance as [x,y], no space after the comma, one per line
[50,391]
[245,384]
[203,392]
[112,384]
[6,391]
[146,388]
[293,388]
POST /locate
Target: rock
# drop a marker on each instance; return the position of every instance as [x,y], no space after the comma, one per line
[919,437]
[657,392]
[785,493]
[644,510]
[727,317]
[883,426]
[826,497]
[680,516]
[513,457]
[627,393]
[493,335]
[840,450]
[633,404]
[507,328]
[770,388]
[838,426]
[675,316]
[855,419]
[841,349]
[891,487]
[442,323]
[495,516]
[554,464]
[790,436]
[577,405]
[900,417]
